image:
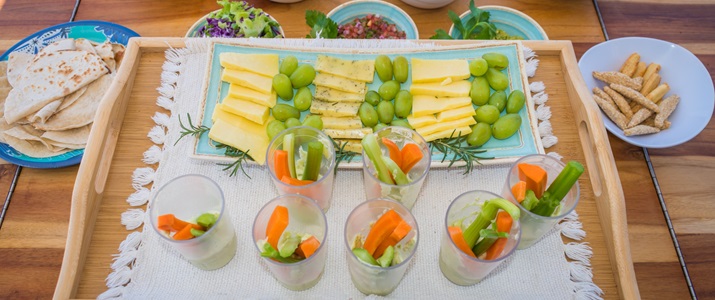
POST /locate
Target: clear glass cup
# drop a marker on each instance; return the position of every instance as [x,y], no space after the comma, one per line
[457,266]
[534,226]
[322,189]
[405,194]
[305,217]
[187,197]
[370,279]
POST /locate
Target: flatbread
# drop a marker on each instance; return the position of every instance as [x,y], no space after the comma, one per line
[104,51]
[71,98]
[82,112]
[46,112]
[61,45]
[77,136]
[84,44]
[118,50]
[31,148]
[17,63]
[62,146]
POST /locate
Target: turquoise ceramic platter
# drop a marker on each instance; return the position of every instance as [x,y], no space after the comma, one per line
[524,142]
[512,21]
[347,12]
[96,31]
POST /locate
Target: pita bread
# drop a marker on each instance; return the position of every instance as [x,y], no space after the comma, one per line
[82,111]
[31,148]
[118,50]
[84,44]
[62,146]
[61,45]
[77,136]
[46,112]
[16,65]
[20,132]
[71,98]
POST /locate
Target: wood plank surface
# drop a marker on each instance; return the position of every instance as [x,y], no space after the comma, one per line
[684,172]
[19,18]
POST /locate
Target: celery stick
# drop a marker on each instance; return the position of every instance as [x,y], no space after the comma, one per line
[397,174]
[530,200]
[386,259]
[485,217]
[289,146]
[483,246]
[315,158]
[558,189]
[372,149]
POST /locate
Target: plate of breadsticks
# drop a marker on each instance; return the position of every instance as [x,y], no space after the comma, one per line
[652,93]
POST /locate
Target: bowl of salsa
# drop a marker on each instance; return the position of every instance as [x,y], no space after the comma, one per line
[373,19]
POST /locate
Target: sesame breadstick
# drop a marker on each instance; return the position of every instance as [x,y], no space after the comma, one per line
[640,116]
[603,95]
[667,106]
[612,112]
[620,101]
[640,130]
[635,96]
[617,78]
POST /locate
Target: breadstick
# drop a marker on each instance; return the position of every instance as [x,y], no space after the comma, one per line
[640,70]
[629,67]
[651,122]
[658,93]
[635,106]
[617,78]
[650,84]
[652,68]
[635,96]
[667,106]
[612,112]
[603,95]
[640,116]
[640,130]
[620,101]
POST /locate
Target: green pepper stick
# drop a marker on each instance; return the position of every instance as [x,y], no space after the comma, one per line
[558,189]
[485,217]
[289,146]
[312,164]
[372,149]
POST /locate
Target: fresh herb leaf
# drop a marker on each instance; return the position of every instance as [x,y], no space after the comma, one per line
[440,34]
[476,26]
[241,157]
[459,150]
[191,129]
[341,154]
[270,252]
[320,25]
[457,23]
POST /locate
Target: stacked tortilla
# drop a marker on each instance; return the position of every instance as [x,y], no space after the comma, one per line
[49,100]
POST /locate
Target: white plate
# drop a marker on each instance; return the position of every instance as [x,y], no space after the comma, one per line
[684,72]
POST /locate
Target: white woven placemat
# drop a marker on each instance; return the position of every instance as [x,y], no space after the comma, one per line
[148,268]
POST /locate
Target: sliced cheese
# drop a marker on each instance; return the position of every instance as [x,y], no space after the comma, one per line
[427,105]
[239,92]
[360,70]
[350,145]
[341,122]
[437,127]
[455,89]
[250,80]
[332,95]
[421,121]
[334,109]
[247,109]
[340,83]
[254,143]
[465,130]
[220,112]
[432,70]
[263,64]
[457,113]
[348,133]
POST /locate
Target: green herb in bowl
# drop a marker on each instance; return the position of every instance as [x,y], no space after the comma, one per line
[476,27]
[238,19]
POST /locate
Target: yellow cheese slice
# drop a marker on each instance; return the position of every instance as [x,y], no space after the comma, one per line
[341,122]
[250,80]
[263,64]
[350,145]
[348,133]
[332,95]
[220,112]
[422,121]
[334,109]
[457,113]
[427,105]
[465,130]
[340,83]
[247,109]
[239,92]
[455,89]
[254,143]
[437,127]
[431,70]
[360,70]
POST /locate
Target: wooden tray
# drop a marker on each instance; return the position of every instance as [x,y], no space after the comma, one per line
[118,140]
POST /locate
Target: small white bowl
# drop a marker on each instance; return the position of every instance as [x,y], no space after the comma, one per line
[428,4]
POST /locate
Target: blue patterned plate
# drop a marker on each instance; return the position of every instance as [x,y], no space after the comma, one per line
[512,21]
[97,31]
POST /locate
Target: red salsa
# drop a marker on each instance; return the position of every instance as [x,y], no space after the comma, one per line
[370,27]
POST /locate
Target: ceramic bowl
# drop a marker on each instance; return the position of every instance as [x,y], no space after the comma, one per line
[347,12]
[512,21]
[194,29]
[428,4]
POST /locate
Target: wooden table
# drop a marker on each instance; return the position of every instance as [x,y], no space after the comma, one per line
[33,235]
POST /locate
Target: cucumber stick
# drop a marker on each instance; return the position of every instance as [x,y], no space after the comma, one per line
[315,157]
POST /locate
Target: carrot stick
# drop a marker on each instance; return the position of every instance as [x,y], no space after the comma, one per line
[519,191]
[411,155]
[292,181]
[400,232]
[382,229]
[308,247]
[395,153]
[458,238]
[504,222]
[276,224]
[534,176]
[280,164]
[184,233]
[169,222]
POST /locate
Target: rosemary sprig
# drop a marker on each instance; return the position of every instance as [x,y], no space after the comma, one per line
[191,129]
[341,154]
[240,156]
[454,145]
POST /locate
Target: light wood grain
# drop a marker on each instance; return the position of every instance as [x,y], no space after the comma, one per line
[19,18]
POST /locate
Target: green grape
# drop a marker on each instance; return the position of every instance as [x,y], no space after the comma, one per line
[274,127]
[487,114]
[496,60]
[497,80]
[480,135]
[385,112]
[372,97]
[284,111]
[292,122]
[367,114]
[515,102]
[403,104]
[379,126]
[478,67]
[303,99]
[282,86]
[498,99]
[479,91]
[313,121]
[506,126]
[383,67]
[302,76]
[388,90]
[288,65]
[400,69]
[401,123]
